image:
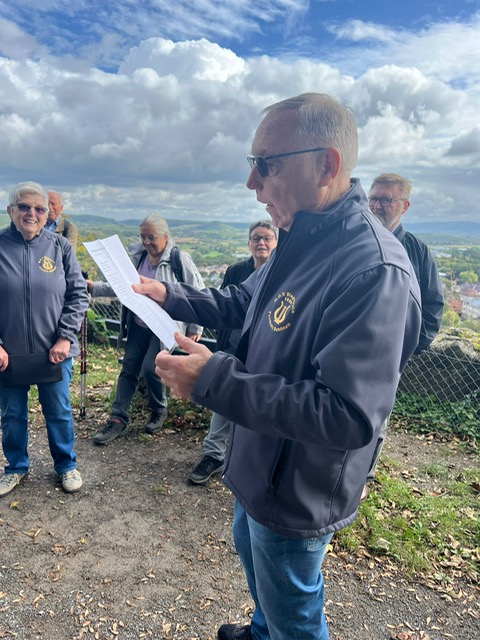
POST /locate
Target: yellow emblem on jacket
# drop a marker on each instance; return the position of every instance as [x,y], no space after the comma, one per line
[280,317]
[47,264]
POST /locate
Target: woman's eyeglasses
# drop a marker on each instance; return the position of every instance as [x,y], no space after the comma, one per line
[25,208]
[149,238]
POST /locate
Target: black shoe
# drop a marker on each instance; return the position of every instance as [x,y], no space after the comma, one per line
[113,429]
[156,422]
[205,469]
[234,632]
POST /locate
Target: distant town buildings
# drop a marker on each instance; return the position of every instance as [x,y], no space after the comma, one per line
[470,299]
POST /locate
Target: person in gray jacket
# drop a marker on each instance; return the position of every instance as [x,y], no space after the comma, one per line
[44,299]
[152,258]
[328,325]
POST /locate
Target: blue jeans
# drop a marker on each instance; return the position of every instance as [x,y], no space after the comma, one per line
[54,399]
[140,351]
[215,444]
[285,579]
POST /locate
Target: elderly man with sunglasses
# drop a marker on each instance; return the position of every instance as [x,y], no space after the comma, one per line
[327,326]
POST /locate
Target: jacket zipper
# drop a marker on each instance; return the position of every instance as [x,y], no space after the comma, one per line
[28,298]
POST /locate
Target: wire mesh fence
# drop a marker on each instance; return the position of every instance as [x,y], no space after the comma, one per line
[109,309]
[449,371]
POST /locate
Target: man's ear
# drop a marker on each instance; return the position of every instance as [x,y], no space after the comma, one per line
[406,206]
[9,210]
[330,165]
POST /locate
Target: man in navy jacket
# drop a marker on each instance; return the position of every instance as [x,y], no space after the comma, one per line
[328,325]
[389,200]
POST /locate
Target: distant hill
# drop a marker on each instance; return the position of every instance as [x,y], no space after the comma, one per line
[430,231]
[447,229]
[89,220]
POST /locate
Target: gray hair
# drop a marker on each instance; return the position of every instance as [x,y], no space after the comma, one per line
[393,178]
[23,188]
[324,121]
[156,220]
[263,223]
[56,193]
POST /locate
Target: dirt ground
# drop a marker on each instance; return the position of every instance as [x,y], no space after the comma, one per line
[139,553]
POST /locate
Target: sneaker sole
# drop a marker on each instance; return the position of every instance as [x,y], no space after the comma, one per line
[119,435]
[205,479]
[72,490]
[152,431]
[14,487]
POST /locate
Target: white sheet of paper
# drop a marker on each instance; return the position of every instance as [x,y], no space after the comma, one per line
[116,266]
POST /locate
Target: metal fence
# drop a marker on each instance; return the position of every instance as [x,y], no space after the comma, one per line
[449,371]
[109,309]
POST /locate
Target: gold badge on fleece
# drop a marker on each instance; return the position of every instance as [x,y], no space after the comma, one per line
[280,318]
[47,264]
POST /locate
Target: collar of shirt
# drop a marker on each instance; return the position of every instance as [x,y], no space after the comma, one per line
[51,225]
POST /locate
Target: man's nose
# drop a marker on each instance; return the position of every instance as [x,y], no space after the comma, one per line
[254,180]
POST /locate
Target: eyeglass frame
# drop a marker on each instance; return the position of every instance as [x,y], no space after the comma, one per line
[262,167]
[389,203]
[23,207]
[151,238]
[267,239]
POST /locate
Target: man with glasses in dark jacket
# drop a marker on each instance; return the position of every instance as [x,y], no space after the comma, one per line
[389,200]
[327,326]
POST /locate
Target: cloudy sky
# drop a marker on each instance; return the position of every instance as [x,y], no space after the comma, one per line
[130,107]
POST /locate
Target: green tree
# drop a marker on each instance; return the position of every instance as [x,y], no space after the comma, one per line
[451,319]
[469,276]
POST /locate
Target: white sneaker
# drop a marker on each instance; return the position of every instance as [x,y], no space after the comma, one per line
[9,482]
[71,481]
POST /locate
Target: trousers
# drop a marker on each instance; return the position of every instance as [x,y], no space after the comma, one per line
[285,579]
[215,443]
[54,398]
[140,350]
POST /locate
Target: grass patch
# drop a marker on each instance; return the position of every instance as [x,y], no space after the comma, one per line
[428,533]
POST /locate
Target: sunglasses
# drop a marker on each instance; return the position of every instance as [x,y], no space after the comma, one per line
[261,162]
[25,208]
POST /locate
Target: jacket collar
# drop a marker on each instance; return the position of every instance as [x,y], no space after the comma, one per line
[353,202]
[399,232]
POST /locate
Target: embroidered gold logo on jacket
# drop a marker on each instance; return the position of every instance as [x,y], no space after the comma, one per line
[280,317]
[47,264]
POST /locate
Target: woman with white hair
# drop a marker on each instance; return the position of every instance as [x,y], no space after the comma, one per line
[44,299]
[152,258]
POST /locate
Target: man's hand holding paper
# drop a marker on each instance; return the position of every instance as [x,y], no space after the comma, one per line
[116,266]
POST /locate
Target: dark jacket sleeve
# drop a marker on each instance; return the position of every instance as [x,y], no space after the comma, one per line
[352,386]
[430,287]
[432,303]
[227,339]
